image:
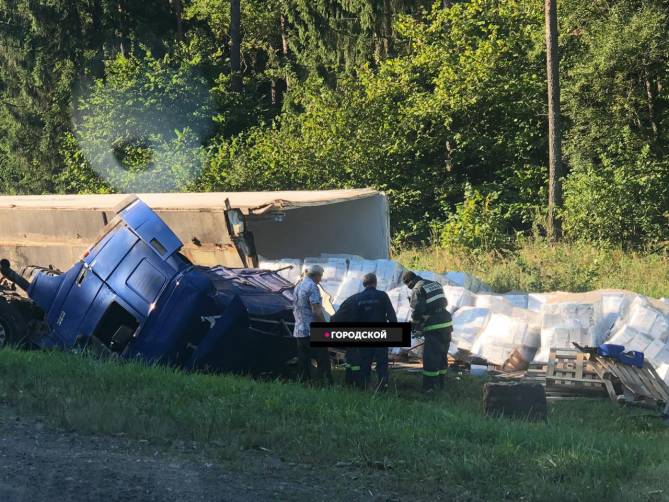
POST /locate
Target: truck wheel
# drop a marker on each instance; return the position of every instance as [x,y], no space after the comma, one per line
[13,327]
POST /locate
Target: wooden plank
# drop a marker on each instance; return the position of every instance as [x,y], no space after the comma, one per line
[631,380]
[611,390]
[579,364]
[644,377]
[581,380]
[662,388]
[550,368]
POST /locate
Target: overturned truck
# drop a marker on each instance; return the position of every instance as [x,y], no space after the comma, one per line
[134,293]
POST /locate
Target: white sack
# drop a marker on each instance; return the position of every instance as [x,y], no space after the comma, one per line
[564,323]
[468,323]
[388,274]
[504,333]
[458,297]
[292,275]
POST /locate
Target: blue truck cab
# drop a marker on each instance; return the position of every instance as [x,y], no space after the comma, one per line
[134,294]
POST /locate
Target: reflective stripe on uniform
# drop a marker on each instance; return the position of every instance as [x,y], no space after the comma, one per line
[432,327]
[430,373]
[443,372]
[354,368]
[436,297]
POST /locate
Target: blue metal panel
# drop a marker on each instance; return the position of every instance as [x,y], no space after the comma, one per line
[146,280]
[44,290]
[151,229]
[176,321]
[118,280]
[108,257]
[79,300]
[68,279]
[102,301]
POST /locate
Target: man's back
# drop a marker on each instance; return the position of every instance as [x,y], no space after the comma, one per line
[372,305]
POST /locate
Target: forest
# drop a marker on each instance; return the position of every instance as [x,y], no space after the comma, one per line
[442,105]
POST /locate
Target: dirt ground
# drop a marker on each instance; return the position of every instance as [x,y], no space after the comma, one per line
[41,463]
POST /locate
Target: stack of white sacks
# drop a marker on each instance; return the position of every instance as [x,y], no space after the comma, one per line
[492,326]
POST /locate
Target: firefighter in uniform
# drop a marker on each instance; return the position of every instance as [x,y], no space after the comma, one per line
[429,315]
[370,305]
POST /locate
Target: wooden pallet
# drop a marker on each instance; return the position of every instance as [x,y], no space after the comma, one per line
[639,386]
[568,374]
[571,373]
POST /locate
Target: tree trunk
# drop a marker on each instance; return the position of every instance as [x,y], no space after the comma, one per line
[124,41]
[650,94]
[177,6]
[235,45]
[553,228]
[284,45]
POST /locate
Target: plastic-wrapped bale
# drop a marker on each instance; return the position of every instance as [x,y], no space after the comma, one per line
[496,303]
[458,297]
[334,271]
[432,276]
[644,327]
[468,323]
[290,274]
[536,300]
[388,274]
[517,299]
[352,281]
[661,364]
[648,317]
[399,297]
[519,329]
[614,304]
[467,281]
[564,323]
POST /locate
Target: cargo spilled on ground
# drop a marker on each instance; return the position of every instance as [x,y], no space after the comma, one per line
[404,445]
[497,326]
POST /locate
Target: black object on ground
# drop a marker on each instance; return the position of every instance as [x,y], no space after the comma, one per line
[515,400]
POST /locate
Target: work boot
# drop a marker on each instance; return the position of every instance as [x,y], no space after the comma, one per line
[429,384]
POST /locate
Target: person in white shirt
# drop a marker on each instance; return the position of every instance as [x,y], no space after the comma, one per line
[308,308]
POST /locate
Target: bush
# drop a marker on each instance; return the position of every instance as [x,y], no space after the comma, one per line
[536,266]
[476,224]
[621,199]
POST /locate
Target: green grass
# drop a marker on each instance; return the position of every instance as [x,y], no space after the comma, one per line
[536,266]
[422,448]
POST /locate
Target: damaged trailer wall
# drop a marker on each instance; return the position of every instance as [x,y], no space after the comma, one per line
[358,227]
[54,230]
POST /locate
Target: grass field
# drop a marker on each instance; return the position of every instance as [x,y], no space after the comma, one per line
[536,266]
[417,448]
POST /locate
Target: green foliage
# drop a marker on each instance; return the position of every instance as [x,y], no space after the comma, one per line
[420,126]
[624,199]
[47,49]
[142,127]
[617,140]
[534,265]
[476,224]
[418,98]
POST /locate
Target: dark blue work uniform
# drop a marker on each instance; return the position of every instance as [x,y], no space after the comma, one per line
[370,305]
